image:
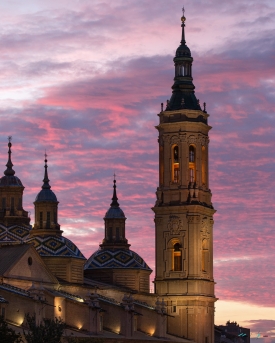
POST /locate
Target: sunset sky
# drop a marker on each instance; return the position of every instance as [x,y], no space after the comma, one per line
[85,79]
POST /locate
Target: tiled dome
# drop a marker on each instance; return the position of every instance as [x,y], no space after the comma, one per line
[117,258]
[55,246]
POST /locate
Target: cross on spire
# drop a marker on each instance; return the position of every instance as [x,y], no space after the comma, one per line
[9,171]
[114,198]
[46,180]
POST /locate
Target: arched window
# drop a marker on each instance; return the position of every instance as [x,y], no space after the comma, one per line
[41,220]
[48,223]
[177,257]
[175,164]
[192,163]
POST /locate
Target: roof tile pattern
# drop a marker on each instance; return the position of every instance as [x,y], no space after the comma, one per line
[55,246]
[117,258]
[13,234]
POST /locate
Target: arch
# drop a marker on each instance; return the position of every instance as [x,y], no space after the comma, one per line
[177,257]
[175,164]
[175,247]
[192,163]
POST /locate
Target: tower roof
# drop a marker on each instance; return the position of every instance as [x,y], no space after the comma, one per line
[46,194]
[183,94]
[114,211]
[9,179]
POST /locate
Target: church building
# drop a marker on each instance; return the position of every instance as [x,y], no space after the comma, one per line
[108,295]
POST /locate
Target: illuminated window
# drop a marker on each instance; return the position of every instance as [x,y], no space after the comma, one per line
[177,257]
[175,164]
[192,163]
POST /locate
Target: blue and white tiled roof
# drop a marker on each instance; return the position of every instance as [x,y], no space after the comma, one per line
[117,258]
[14,234]
[55,246]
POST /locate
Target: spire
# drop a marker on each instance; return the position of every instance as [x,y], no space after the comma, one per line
[183,25]
[114,198]
[183,89]
[9,171]
[46,180]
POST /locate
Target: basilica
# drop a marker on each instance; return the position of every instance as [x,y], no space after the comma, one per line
[107,295]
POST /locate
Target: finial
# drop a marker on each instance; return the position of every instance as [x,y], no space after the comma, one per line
[183,25]
[114,198]
[46,180]
[183,17]
[204,107]
[161,107]
[9,171]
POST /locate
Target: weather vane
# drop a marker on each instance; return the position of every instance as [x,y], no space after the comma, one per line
[9,138]
[114,176]
[183,10]
[45,155]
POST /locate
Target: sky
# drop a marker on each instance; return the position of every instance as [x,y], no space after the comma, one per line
[84,81]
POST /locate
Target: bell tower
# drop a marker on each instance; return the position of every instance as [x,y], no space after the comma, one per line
[183,209]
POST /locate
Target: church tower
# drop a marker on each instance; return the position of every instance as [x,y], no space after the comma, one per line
[11,206]
[183,210]
[61,256]
[46,208]
[114,262]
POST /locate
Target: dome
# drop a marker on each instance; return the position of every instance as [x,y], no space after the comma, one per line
[183,51]
[10,180]
[116,258]
[56,246]
[115,212]
[46,195]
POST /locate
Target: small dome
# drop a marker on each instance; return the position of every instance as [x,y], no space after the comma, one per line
[46,195]
[55,246]
[116,258]
[10,180]
[183,51]
[115,212]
